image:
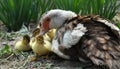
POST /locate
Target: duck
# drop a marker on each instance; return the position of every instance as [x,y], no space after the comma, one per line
[40,47]
[23,44]
[88,38]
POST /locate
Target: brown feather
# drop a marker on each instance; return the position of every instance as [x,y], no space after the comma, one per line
[106,43]
[99,44]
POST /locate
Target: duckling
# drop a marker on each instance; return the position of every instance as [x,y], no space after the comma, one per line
[34,33]
[46,37]
[51,33]
[23,44]
[40,47]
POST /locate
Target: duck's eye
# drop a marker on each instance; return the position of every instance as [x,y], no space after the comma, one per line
[40,24]
[48,19]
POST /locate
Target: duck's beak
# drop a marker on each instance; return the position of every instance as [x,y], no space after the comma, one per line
[43,31]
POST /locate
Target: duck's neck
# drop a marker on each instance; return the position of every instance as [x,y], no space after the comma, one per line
[69,20]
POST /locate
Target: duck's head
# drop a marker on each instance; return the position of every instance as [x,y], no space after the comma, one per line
[54,19]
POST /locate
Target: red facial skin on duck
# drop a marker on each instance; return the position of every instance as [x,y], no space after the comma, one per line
[45,25]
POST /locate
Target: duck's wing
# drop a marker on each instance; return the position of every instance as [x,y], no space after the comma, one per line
[101,43]
[67,37]
[89,37]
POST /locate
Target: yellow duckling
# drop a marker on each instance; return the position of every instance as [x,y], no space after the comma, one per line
[51,33]
[23,44]
[40,47]
[46,37]
[34,33]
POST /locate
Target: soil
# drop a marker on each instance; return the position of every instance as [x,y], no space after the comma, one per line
[20,60]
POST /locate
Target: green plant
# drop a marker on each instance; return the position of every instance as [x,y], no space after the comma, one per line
[13,13]
[2,34]
[72,5]
[118,25]
[5,50]
[39,7]
[105,8]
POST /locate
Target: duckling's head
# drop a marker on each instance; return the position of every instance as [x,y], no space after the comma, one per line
[26,38]
[40,39]
[51,33]
[36,32]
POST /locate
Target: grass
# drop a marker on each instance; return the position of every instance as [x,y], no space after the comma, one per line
[118,24]
[13,13]
[73,5]
[39,7]
[105,8]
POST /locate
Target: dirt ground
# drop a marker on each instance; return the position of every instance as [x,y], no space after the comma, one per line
[20,60]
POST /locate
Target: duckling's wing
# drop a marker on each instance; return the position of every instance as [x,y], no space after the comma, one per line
[47,45]
[32,40]
[46,37]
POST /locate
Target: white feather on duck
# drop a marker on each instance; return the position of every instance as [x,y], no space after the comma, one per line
[89,37]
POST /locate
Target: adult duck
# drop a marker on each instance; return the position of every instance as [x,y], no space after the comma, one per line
[87,38]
